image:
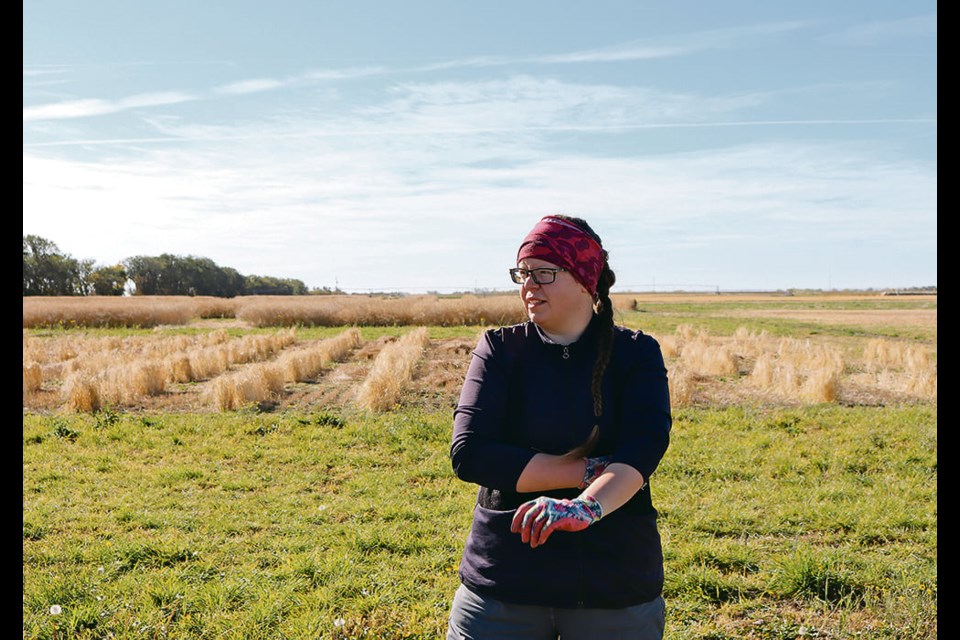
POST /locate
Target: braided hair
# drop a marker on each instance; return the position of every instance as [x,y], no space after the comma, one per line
[603,308]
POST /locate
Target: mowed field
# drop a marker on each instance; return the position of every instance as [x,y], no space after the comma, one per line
[278,468]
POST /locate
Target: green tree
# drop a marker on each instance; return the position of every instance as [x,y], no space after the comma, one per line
[202,277]
[49,272]
[172,275]
[108,281]
[270,286]
[228,283]
[145,272]
[163,275]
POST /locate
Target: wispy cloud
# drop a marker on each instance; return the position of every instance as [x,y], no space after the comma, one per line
[351,199]
[257,85]
[249,86]
[619,53]
[813,197]
[874,33]
[87,108]
[517,105]
[672,46]
[683,44]
[347,73]
[646,49]
[71,109]
[344,184]
[35,71]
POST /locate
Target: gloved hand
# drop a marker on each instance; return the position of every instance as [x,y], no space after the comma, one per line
[595,467]
[537,519]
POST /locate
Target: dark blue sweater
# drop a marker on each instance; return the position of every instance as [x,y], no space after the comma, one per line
[521,395]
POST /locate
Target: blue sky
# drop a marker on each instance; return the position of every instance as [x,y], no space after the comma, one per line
[409,146]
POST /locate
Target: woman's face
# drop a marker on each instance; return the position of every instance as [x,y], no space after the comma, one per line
[559,307]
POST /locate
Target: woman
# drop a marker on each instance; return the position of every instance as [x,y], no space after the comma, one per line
[561,421]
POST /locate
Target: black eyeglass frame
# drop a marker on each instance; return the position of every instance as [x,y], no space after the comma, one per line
[517,272]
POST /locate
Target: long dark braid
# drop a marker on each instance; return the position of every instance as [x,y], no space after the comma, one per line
[603,308]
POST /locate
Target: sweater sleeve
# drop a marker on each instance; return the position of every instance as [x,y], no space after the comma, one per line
[480,451]
[645,418]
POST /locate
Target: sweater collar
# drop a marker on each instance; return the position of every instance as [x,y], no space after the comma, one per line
[586,337]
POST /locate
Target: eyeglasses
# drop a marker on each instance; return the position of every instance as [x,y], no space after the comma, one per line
[543,275]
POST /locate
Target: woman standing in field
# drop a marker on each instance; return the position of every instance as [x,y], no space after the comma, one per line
[561,421]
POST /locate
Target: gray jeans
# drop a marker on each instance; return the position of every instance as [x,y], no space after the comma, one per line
[477,617]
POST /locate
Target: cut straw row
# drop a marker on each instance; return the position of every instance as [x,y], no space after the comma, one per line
[392,369]
[122,384]
[791,368]
[265,381]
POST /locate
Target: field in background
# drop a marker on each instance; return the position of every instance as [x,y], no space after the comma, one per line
[243,479]
[196,354]
[434,310]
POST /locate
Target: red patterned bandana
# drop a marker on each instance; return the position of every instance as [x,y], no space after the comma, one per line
[565,245]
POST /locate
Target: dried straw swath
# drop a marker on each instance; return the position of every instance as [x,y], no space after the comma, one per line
[791,368]
[881,353]
[62,355]
[392,369]
[121,377]
[114,385]
[205,362]
[344,310]
[681,381]
[702,356]
[924,383]
[107,311]
[264,382]
[904,367]
[796,369]
[682,384]
[81,394]
[32,377]
[307,362]
[254,384]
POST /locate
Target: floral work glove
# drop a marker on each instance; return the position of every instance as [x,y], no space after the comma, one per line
[595,467]
[537,519]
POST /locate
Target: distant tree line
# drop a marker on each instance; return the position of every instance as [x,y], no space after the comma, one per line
[47,271]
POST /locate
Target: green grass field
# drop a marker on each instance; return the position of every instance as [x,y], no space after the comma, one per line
[778,522]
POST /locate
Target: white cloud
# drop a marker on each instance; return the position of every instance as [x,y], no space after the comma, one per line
[883,31]
[68,109]
[85,108]
[360,213]
[673,46]
[394,184]
[249,86]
